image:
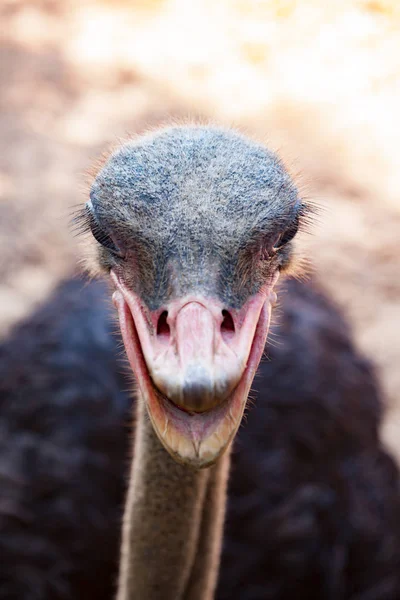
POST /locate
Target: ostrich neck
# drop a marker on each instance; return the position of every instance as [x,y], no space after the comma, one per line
[173,523]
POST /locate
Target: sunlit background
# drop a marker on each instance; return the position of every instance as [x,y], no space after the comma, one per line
[318,81]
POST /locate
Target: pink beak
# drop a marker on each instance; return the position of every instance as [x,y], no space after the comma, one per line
[194,362]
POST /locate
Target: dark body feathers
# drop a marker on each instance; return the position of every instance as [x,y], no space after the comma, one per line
[63,450]
[313,507]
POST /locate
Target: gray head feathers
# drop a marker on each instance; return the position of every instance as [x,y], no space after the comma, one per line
[193,209]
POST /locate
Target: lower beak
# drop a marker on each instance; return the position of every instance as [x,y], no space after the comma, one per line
[194,362]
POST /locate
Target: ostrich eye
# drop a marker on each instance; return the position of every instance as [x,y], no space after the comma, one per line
[287,235]
[99,234]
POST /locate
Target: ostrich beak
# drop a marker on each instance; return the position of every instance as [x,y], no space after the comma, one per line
[194,363]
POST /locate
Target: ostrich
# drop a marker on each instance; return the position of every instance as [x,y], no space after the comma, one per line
[193,297]
[193,225]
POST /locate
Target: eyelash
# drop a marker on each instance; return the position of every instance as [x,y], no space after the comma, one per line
[284,238]
[288,234]
[85,220]
[99,235]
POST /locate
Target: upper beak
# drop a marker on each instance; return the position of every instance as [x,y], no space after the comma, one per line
[198,355]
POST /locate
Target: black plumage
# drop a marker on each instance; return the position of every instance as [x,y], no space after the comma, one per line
[313,509]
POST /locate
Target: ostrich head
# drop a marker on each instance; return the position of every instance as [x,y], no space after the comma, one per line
[194,225]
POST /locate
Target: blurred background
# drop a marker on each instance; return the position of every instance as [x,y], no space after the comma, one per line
[318,81]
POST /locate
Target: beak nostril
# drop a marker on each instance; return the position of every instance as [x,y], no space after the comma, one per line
[163,329]
[227,325]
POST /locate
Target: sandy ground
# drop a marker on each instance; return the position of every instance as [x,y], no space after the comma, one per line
[319,82]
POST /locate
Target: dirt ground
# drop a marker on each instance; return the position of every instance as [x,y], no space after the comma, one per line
[319,83]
